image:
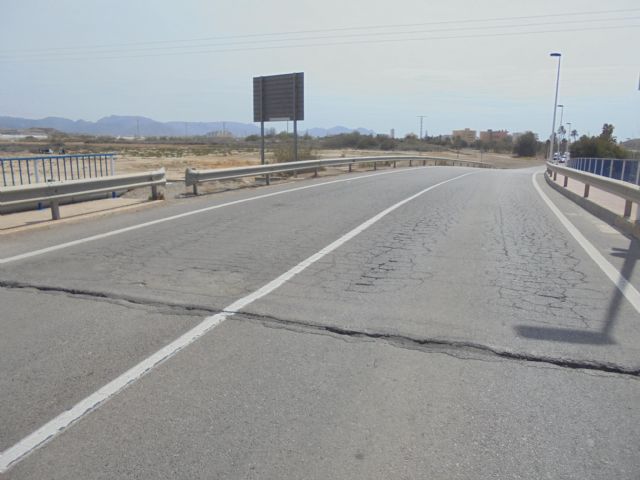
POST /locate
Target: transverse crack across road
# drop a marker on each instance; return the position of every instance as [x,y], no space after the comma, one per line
[431,345]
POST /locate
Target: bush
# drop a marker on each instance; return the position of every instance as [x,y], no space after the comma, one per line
[283,152]
[526,145]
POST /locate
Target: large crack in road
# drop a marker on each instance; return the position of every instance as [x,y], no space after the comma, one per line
[457,348]
[441,345]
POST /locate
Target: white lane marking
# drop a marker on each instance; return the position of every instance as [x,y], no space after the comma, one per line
[628,290]
[100,236]
[60,423]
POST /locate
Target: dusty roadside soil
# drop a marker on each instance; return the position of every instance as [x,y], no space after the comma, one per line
[176,166]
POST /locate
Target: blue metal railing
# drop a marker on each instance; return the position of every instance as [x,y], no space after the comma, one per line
[49,168]
[627,170]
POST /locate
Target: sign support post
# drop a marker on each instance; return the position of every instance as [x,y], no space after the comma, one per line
[278,98]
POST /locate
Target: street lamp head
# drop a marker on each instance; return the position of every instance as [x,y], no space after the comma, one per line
[555,54]
[560,106]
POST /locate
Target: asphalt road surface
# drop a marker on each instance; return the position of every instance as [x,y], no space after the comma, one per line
[414,323]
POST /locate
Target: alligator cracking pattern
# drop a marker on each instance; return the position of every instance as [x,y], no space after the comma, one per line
[389,256]
[538,270]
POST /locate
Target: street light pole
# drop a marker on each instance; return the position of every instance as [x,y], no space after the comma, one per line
[568,135]
[552,146]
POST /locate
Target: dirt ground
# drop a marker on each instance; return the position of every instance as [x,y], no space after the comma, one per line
[176,166]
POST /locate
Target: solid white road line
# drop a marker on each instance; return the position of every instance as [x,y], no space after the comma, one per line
[54,427]
[100,236]
[628,290]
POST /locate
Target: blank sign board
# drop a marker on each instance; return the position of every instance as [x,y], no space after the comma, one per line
[278,97]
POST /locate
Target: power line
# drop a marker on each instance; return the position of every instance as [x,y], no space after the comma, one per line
[306,45]
[341,29]
[87,51]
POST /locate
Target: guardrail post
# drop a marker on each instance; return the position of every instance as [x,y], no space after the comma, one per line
[195,189]
[586,190]
[555,176]
[566,181]
[350,168]
[375,166]
[268,179]
[315,173]
[627,208]
[154,192]
[424,163]
[55,210]
[411,163]
[394,164]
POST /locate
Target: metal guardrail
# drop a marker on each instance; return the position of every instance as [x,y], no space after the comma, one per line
[49,168]
[53,192]
[629,192]
[627,170]
[195,177]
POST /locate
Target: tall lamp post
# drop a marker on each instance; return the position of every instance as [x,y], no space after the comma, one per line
[552,146]
[568,136]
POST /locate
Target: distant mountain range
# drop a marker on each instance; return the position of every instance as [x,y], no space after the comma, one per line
[129,126]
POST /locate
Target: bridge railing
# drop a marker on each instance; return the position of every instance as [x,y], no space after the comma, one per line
[52,193]
[625,190]
[56,168]
[627,170]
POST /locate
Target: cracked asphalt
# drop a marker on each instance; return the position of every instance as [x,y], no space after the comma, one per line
[465,335]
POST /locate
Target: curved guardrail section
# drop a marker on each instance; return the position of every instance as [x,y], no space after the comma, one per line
[53,192]
[195,177]
[628,191]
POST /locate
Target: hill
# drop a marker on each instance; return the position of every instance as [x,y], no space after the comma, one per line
[122,125]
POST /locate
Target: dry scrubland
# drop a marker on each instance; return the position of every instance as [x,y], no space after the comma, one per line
[176,165]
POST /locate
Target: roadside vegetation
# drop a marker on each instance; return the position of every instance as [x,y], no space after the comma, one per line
[604,145]
[279,146]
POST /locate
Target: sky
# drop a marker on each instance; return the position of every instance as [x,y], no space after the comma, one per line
[373,64]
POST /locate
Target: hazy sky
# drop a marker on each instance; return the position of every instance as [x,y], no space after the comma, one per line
[375,64]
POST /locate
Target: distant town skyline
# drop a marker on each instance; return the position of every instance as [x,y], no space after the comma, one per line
[458,64]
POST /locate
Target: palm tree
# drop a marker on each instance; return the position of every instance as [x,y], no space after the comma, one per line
[574,134]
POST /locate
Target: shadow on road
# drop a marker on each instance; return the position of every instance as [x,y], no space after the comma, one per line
[599,337]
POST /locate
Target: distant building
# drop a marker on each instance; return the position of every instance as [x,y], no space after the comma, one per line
[220,134]
[392,134]
[467,135]
[493,135]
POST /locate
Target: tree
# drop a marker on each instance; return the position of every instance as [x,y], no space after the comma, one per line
[602,146]
[526,145]
[607,133]
[574,134]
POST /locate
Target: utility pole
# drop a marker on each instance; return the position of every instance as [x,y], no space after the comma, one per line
[421,117]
